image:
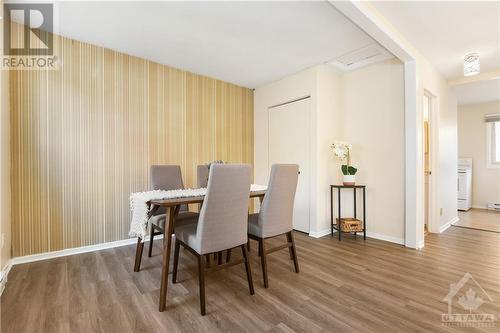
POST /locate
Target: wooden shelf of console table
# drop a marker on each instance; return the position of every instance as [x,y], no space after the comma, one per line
[337,225]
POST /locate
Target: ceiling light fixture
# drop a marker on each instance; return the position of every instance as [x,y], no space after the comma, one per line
[471,64]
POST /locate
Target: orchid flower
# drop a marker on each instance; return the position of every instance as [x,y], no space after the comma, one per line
[343,151]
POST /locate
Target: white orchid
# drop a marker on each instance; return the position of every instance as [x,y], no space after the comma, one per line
[343,150]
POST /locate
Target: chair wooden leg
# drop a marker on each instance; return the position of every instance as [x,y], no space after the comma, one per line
[294,252]
[247,268]
[176,260]
[228,255]
[138,254]
[219,258]
[207,257]
[248,245]
[289,240]
[151,238]
[201,276]
[263,261]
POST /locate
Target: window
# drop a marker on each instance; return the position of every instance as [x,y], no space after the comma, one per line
[493,140]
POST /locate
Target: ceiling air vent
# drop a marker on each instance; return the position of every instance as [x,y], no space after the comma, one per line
[361,57]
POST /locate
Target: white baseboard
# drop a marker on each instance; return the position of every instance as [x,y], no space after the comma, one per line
[321,233]
[448,224]
[325,232]
[4,274]
[479,207]
[73,251]
[386,238]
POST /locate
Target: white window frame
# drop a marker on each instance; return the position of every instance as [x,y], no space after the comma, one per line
[490,145]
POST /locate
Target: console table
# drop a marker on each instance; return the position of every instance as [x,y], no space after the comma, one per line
[338,226]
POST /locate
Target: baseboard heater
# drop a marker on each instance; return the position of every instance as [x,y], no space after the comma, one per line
[493,206]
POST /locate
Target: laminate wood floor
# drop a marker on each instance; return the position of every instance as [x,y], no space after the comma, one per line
[348,286]
[481,219]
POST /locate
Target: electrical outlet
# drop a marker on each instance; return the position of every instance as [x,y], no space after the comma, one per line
[440,211]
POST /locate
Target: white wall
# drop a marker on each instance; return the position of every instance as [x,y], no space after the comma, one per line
[443,135]
[472,144]
[372,103]
[293,87]
[328,123]
[444,127]
[364,107]
[323,106]
[420,75]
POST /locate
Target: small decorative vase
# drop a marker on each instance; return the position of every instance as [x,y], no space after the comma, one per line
[349,180]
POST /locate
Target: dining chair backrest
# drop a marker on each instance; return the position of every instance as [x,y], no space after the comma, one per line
[224,215]
[202,175]
[166,177]
[276,211]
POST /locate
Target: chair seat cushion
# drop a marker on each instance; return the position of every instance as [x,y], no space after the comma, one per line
[186,233]
[182,218]
[253,225]
[254,228]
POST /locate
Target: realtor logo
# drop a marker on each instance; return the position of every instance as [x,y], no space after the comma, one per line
[469,294]
[28,29]
[28,37]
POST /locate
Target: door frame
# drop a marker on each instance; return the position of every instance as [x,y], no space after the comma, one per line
[433,204]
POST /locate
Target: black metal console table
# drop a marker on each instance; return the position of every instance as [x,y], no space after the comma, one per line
[337,226]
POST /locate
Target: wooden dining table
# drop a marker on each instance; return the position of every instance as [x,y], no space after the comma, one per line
[172,207]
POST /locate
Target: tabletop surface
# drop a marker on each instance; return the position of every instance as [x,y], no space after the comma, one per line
[198,199]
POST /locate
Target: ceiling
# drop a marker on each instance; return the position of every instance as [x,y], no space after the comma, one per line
[246,43]
[478,92]
[445,31]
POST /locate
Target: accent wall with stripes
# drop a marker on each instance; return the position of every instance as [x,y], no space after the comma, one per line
[84,135]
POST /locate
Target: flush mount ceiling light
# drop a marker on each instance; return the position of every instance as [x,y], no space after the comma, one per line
[471,64]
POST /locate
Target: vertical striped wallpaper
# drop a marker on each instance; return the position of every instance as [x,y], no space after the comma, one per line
[84,136]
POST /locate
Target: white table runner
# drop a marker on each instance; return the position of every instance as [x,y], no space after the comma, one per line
[140,209]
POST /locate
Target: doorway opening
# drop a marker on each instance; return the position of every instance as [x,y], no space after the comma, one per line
[427,164]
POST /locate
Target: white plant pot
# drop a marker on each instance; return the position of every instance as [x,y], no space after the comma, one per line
[349,180]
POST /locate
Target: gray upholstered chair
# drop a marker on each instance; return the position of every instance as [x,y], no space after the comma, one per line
[163,177]
[276,214]
[202,181]
[222,223]
[202,175]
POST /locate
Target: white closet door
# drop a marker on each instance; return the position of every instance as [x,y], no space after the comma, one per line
[289,142]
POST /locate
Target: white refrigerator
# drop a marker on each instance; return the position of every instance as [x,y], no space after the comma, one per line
[464,184]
